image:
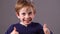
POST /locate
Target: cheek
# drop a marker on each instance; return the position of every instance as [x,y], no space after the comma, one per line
[32,16]
[21,17]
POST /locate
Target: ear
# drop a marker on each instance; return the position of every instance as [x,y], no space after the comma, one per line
[17,15]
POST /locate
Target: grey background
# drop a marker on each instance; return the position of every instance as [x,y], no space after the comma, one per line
[48,11]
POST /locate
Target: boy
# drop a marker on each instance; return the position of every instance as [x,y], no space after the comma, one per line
[25,12]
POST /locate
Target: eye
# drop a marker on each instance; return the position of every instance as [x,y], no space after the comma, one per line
[30,13]
[23,14]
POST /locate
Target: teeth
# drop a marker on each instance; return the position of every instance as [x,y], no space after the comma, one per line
[26,20]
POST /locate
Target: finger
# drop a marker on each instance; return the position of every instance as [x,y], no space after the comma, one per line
[46,30]
[14,28]
[45,26]
[16,32]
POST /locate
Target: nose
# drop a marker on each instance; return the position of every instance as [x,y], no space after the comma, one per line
[27,16]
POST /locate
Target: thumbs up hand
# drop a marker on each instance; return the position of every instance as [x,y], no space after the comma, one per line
[14,31]
[46,30]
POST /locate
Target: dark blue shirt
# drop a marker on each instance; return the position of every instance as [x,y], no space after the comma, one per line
[33,28]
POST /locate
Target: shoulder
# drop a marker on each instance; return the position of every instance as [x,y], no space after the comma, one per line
[39,27]
[37,24]
[12,25]
[10,28]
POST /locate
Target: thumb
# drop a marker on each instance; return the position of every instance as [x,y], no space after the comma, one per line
[45,26]
[46,30]
[14,29]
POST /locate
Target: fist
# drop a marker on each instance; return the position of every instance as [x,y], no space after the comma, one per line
[46,30]
[14,31]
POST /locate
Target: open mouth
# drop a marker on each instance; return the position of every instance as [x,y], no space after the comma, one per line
[27,20]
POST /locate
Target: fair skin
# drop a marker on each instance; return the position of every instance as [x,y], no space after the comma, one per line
[26,15]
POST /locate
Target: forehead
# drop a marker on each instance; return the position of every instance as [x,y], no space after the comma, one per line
[26,9]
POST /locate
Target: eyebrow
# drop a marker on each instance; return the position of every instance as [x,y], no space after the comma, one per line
[28,9]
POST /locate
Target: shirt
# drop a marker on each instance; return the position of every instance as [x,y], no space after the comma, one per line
[32,28]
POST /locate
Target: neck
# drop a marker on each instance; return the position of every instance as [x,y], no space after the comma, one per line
[23,24]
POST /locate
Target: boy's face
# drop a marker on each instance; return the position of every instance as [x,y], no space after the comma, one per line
[26,14]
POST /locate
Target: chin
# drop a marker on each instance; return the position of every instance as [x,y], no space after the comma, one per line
[27,23]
